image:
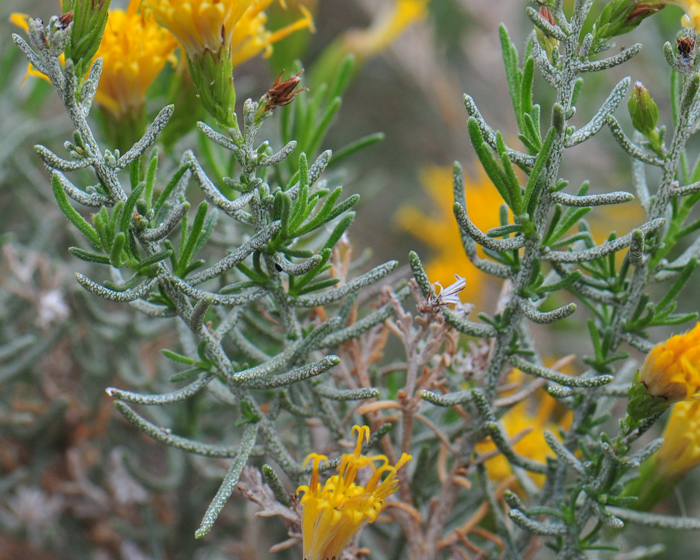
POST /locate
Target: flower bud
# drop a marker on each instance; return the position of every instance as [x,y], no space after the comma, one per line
[622,16]
[670,374]
[89,20]
[212,75]
[643,110]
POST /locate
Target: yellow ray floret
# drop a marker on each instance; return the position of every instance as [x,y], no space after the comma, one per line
[332,513]
[134,50]
[251,36]
[235,26]
[200,25]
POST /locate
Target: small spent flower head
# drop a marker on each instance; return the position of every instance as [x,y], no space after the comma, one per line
[282,92]
[449,295]
[686,50]
[670,374]
[332,513]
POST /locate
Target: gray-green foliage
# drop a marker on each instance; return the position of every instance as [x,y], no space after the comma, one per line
[548,248]
[248,336]
[286,221]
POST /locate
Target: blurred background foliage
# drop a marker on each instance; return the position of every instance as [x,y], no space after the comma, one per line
[68,488]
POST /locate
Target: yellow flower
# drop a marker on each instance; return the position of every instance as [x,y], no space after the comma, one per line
[333,513]
[236,26]
[672,369]
[200,25]
[679,454]
[134,50]
[217,35]
[533,445]
[386,28]
[680,451]
[692,11]
[440,230]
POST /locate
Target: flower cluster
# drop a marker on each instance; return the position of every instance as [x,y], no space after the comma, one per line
[333,512]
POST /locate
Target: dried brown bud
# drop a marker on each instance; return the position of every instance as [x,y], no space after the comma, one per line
[282,92]
[685,46]
[64,20]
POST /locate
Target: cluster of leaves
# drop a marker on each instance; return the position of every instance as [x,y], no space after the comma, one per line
[253,341]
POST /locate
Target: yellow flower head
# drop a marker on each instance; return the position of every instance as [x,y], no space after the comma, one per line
[334,512]
[386,28]
[217,35]
[439,230]
[134,50]
[200,25]
[692,11]
[235,26]
[680,451]
[671,370]
[533,445]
